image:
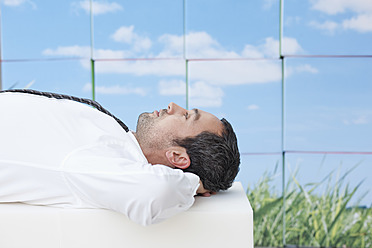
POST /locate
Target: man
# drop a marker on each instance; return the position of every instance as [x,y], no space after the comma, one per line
[60,152]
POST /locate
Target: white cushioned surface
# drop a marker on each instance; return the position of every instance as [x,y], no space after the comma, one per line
[222,220]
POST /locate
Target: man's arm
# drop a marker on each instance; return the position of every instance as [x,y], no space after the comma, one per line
[145,196]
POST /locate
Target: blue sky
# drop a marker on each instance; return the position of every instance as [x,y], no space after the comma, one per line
[234,70]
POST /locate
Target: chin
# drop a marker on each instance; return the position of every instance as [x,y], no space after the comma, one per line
[145,123]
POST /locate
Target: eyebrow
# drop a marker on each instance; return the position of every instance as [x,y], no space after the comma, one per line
[196,114]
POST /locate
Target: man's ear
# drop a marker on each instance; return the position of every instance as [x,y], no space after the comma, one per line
[178,157]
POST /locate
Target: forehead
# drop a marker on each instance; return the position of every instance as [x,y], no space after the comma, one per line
[208,122]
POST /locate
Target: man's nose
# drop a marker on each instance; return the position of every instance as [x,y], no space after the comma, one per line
[175,109]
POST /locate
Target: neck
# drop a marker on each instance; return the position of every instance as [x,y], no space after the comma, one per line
[153,155]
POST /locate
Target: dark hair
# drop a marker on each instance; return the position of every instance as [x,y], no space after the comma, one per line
[214,158]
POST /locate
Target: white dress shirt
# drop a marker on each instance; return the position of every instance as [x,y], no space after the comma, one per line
[67,154]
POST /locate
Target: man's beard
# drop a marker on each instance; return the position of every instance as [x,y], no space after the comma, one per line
[148,133]
[144,123]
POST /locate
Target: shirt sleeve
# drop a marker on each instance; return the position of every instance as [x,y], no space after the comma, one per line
[146,194]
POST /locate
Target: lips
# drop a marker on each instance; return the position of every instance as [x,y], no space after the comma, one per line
[156,113]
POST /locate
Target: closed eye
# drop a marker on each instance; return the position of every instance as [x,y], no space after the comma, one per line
[186,115]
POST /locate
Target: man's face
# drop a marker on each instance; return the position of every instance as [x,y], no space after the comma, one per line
[158,129]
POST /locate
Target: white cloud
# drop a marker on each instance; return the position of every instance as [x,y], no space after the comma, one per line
[356,116]
[198,41]
[253,107]
[84,52]
[173,45]
[329,26]
[13,2]
[112,54]
[98,8]
[127,35]
[206,77]
[172,88]
[16,3]
[291,20]
[291,46]
[199,45]
[75,51]
[305,68]
[271,48]
[116,90]
[236,72]
[251,51]
[142,44]
[143,67]
[215,73]
[360,120]
[333,7]
[201,93]
[361,23]
[269,3]
[124,34]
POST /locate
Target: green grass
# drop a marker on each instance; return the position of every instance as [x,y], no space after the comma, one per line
[312,219]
